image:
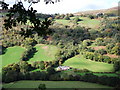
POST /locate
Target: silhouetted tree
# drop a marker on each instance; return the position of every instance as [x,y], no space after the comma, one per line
[18,14]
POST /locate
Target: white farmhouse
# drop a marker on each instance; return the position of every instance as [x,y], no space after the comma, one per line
[63,68]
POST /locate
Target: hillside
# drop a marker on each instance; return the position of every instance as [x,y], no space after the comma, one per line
[80,62]
[11,56]
[44,53]
[94,12]
[60,50]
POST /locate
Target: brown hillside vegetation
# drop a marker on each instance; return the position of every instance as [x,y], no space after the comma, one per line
[111,55]
[99,47]
[94,12]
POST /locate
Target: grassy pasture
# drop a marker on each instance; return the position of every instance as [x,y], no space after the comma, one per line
[63,21]
[12,55]
[91,23]
[54,84]
[80,62]
[44,53]
[86,22]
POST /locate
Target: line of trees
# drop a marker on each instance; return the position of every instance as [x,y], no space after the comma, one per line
[22,71]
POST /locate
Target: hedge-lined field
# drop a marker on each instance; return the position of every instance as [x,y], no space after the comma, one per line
[80,62]
[12,55]
[44,53]
[54,84]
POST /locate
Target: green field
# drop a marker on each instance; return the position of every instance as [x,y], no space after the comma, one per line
[64,22]
[12,55]
[80,62]
[86,22]
[91,23]
[53,84]
[44,53]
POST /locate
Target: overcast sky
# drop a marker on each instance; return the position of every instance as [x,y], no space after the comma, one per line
[70,6]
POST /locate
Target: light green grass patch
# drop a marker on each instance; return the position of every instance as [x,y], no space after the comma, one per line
[86,22]
[64,22]
[91,23]
[44,53]
[38,70]
[80,62]
[12,55]
[53,84]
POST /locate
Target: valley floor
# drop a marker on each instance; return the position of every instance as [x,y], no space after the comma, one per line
[54,84]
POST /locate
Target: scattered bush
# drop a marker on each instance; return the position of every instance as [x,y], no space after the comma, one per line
[97,56]
[91,16]
[29,42]
[116,50]
[106,59]
[117,66]
[50,70]
[101,51]
[2,49]
[42,87]
[87,43]
[24,66]
[113,60]
[66,18]
[109,48]
[42,65]
[76,19]
[100,42]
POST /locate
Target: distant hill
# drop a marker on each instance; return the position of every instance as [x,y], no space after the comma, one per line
[94,12]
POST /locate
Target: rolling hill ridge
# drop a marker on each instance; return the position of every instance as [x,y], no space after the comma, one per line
[94,12]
